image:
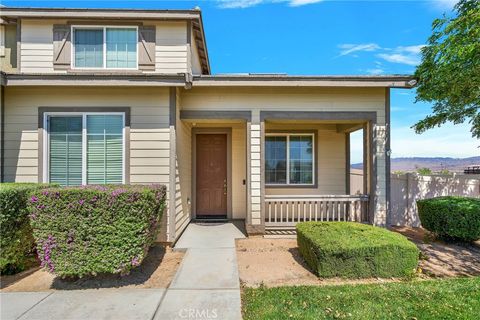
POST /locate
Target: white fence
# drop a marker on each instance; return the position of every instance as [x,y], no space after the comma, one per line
[286,211]
[407,188]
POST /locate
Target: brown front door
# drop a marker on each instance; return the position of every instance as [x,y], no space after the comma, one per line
[211,180]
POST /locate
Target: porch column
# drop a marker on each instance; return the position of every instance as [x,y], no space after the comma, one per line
[381,170]
[255,177]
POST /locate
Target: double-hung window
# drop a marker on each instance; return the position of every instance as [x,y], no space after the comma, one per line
[105,47]
[85,148]
[289,159]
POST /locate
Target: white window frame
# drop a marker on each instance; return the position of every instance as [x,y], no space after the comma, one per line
[46,141]
[288,135]
[104,28]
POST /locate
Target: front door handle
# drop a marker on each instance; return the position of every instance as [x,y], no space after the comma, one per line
[225,186]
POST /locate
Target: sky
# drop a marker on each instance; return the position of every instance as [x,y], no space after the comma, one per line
[308,37]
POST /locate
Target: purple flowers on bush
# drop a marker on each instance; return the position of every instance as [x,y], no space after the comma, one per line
[47,247]
[95,229]
[135,262]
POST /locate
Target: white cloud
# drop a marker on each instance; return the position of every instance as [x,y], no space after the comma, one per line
[348,48]
[398,109]
[447,141]
[298,3]
[453,141]
[444,4]
[411,49]
[234,4]
[400,58]
[409,55]
[375,71]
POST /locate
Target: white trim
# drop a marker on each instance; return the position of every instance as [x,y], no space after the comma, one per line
[46,149]
[46,141]
[288,135]
[104,28]
[84,148]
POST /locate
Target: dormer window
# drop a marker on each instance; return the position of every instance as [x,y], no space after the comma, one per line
[105,48]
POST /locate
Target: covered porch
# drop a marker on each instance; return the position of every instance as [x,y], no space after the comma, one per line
[320,142]
[281,167]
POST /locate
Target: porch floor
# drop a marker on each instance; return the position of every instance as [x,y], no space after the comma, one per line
[211,235]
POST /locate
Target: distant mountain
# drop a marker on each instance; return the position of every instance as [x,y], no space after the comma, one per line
[434,163]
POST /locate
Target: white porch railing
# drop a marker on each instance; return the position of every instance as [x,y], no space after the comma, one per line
[286,211]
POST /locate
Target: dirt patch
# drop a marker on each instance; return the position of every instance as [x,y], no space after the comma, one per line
[277,262]
[156,271]
[441,259]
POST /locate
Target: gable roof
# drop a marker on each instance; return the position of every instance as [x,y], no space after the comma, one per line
[194,16]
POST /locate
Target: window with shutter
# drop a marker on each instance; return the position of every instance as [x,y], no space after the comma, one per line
[86,148]
[105,47]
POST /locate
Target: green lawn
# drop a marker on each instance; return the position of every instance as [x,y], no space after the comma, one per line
[434,299]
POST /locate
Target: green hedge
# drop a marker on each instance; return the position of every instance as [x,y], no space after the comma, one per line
[451,217]
[353,250]
[89,230]
[16,240]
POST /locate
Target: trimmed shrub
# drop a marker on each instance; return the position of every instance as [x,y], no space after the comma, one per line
[456,218]
[354,250]
[16,241]
[89,230]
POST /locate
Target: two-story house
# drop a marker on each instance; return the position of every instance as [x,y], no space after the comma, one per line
[93,96]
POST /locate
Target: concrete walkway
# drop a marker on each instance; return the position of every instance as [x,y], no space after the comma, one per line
[206,286]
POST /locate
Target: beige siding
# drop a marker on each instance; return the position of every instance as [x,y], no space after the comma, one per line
[287,99]
[37,46]
[149,133]
[183,174]
[36,53]
[171,47]
[239,171]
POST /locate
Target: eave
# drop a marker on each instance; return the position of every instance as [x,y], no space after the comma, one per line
[183,80]
[56,13]
[272,80]
[99,80]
